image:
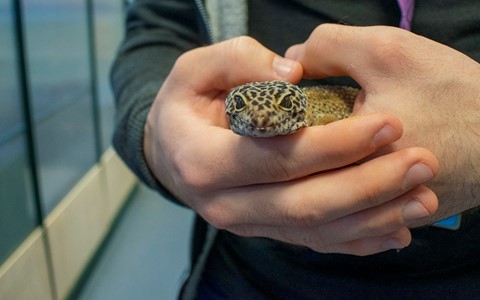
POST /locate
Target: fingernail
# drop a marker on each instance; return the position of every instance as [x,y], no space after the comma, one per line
[418,174]
[392,244]
[414,210]
[282,66]
[384,136]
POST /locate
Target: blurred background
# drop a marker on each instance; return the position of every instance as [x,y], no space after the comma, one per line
[74,222]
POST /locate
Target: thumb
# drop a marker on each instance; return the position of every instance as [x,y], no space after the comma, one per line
[363,53]
[234,62]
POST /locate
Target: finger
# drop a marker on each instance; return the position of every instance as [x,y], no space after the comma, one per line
[368,246]
[325,197]
[359,52]
[396,240]
[321,148]
[378,221]
[245,161]
[416,205]
[231,63]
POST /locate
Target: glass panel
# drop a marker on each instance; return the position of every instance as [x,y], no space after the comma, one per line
[109,26]
[56,31]
[17,215]
[10,112]
[17,211]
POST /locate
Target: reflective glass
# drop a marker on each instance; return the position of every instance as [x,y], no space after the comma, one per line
[58,61]
[108,18]
[17,215]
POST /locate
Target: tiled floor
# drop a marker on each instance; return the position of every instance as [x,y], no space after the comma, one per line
[146,256]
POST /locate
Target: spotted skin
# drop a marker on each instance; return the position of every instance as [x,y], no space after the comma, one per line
[265,109]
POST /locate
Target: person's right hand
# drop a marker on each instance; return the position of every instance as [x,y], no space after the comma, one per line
[303,188]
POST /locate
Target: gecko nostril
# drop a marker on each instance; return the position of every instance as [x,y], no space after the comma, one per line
[261,120]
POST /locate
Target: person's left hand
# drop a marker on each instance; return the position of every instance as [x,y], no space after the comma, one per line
[432,88]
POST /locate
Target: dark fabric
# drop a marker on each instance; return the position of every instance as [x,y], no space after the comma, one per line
[439,264]
[157,32]
[294,20]
[455,23]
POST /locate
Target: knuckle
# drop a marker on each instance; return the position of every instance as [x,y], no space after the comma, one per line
[245,40]
[317,41]
[279,165]
[304,215]
[275,168]
[184,58]
[325,31]
[317,243]
[391,49]
[372,196]
[375,229]
[182,64]
[241,48]
[243,43]
[217,214]
[244,231]
[285,235]
[304,238]
[191,178]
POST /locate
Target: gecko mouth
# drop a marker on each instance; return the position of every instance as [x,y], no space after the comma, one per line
[258,131]
[242,126]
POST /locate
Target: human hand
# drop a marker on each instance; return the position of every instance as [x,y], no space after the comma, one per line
[301,188]
[432,88]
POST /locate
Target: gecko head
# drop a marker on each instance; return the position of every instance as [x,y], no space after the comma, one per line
[265,109]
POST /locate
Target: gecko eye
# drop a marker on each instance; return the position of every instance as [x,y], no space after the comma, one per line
[285,102]
[239,103]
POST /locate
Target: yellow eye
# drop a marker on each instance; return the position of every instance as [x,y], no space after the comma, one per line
[285,102]
[239,103]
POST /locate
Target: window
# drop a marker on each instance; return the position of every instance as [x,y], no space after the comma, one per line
[60,91]
[17,212]
[65,86]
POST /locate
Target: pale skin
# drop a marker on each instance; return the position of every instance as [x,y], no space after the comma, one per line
[304,189]
[432,88]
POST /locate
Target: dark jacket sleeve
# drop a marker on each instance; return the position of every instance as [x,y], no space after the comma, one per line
[157,32]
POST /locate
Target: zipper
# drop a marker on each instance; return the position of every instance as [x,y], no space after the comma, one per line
[205,20]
